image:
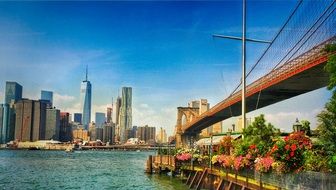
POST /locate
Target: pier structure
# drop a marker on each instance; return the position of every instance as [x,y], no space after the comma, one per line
[203,177]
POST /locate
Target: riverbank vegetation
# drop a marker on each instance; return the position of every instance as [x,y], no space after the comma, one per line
[264,149]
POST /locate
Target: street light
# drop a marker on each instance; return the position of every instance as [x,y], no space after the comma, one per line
[210,157]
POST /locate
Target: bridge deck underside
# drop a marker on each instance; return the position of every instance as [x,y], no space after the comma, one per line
[306,81]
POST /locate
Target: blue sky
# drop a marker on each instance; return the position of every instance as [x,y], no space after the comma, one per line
[164,50]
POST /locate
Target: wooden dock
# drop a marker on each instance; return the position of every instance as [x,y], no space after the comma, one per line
[197,177]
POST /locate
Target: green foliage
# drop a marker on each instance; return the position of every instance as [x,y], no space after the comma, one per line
[314,161]
[258,131]
[166,151]
[330,48]
[332,163]
[241,147]
[306,127]
[327,118]
[331,65]
[327,127]
[244,147]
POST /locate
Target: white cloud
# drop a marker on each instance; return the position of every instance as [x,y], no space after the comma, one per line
[63,98]
[144,106]
[72,108]
[285,120]
[66,103]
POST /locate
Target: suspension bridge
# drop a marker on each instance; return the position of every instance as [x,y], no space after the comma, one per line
[292,64]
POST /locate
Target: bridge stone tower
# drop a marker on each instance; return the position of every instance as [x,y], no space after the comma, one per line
[185,115]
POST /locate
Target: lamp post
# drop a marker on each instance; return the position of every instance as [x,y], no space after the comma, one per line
[210,157]
[297,126]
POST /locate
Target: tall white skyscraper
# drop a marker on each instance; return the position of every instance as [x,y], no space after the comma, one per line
[125,113]
[85,98]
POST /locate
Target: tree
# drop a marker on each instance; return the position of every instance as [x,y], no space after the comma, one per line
[327,118]
[259,132]
[306,126]
[331,66]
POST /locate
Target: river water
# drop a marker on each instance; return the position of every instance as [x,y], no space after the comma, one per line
[27,169]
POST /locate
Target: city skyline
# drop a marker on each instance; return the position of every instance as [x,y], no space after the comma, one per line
[163,59]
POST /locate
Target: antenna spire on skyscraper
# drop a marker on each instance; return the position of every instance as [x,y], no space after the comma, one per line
[86,75]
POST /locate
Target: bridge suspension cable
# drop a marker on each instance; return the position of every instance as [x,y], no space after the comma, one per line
[292,39]
[270,44]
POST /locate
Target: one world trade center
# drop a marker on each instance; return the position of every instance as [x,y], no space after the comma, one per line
[85,98]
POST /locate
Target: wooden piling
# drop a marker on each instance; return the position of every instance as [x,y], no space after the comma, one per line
[149,165]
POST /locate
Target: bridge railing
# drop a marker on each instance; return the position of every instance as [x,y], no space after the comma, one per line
[302,180]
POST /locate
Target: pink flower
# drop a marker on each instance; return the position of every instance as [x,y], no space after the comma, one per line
[264,164]
[184,156]
[237,163]
[249,156]
[227,161]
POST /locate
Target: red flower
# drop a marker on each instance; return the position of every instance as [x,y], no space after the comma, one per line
[293,147]
[253,146]
[287,147]
[275,148]
[292,154]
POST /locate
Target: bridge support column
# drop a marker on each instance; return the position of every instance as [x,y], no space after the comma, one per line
[181,139]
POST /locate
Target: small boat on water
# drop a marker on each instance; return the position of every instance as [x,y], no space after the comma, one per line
[69,149]
[138,150]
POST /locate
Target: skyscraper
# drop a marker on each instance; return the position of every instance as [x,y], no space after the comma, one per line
[48,96]
[30,120]
[118,106]
[52,124]
[117,119]
[100,119]
[125,113]
[85,95]
[2,128]
[204,106]
[24,120]
[39,120]
[161,137]
[7,125]
[13,92]
[65,127]
[109,115]
[146,134]
[108,133]
[78,118]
